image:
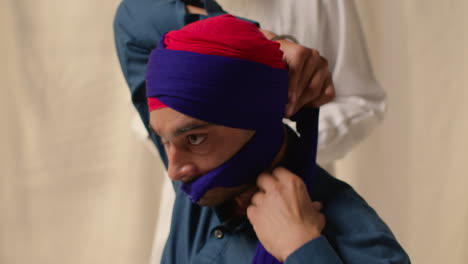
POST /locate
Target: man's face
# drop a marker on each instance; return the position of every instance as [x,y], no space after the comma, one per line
[195,147]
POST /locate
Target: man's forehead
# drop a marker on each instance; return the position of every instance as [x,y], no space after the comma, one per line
[168,122]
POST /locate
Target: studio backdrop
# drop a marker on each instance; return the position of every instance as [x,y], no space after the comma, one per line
[78,185]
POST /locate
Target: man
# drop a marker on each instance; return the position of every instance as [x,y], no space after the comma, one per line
[205,86]
[360,101]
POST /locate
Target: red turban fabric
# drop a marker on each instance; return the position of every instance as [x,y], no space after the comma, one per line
[229,37]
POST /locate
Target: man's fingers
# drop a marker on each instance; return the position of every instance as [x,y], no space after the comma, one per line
[266,181]
[251,213]
[324,99]
[285,176]
[279,171]
[297,63]
[313,92]
[328,94]
[312,68]
[317,206]
[257,198]
[313,63]
[314,78]
[293,90]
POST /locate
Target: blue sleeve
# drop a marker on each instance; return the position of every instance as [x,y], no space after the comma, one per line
[315,251]
[138,27]
[354,232]
[376,250]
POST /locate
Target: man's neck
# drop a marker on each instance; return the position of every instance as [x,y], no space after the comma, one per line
[242,201]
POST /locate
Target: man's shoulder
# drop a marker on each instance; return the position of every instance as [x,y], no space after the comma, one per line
[146,20]
[346,211]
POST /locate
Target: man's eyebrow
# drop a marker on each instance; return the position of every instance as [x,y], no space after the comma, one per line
[189,127]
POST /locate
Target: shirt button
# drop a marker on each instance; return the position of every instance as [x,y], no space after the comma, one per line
[218,233]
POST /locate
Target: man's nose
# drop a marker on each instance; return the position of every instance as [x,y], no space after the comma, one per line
[180,168]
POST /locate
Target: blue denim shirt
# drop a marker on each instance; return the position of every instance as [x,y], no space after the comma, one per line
[354,233]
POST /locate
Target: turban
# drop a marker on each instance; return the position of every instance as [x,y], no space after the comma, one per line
[223,70]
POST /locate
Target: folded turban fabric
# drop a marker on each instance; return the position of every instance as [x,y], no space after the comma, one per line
[223,70]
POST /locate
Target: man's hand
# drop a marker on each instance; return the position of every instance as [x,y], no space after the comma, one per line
[282,213]
[310,81]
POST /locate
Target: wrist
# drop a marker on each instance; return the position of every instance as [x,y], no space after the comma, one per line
[290,38]
[268,34]
[300,241]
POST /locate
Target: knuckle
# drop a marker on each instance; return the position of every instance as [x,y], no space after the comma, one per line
[261,178]
[264,180]
[250,212]
[297,183]
[295,180]
[280,170]
[275,188]
[256,198]
[314,87]
[330,93]
[317,206]
[289,185]
[324,62]
[302,51]
[322,219]
[315,52]
[277,170]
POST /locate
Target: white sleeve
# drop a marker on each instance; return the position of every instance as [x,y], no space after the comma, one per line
[333,28]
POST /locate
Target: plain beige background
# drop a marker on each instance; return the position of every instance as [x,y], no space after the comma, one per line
[77,185]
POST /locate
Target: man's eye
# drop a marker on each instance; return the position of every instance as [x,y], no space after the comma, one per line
[196,139]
